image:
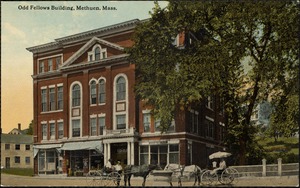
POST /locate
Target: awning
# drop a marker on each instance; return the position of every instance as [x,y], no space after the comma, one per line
[89,145]
[36,148]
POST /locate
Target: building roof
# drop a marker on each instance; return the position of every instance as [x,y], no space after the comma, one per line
[86,35]
[16,138]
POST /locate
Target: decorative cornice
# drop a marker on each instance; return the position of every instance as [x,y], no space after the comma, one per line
[60,42]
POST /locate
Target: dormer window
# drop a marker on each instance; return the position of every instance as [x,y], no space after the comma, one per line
[97,53]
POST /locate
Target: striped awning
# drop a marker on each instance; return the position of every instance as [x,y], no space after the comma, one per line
[87,145]
[36,148]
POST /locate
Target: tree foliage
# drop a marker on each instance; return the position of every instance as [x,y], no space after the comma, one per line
[244,52]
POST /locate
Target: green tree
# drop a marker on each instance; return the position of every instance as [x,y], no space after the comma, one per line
[30,128]
[226,37]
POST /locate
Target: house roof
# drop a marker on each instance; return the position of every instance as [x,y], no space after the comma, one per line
[16,138]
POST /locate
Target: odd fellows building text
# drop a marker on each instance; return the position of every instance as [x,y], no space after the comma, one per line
[52,7]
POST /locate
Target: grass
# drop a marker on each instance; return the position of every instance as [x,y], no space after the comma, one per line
[19,171]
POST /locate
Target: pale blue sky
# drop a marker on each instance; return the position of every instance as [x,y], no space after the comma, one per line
[21,29]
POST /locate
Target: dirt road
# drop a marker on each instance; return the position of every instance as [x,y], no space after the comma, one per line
[12,180]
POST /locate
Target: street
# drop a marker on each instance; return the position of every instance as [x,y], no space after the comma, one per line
[49,181]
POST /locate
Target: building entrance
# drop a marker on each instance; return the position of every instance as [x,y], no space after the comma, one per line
[119,153]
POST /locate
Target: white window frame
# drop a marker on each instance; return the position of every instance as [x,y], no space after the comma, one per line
[91,54]
[71,108]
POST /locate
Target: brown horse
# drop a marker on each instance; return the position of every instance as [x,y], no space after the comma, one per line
[142,171]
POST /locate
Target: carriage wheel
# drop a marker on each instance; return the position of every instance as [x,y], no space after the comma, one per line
[207,178]
[93,178]
[114,179]
[229,175]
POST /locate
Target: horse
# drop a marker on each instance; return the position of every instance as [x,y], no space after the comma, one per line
[142,171]
[181,171]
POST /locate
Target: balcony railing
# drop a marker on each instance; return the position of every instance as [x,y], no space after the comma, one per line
[119,131]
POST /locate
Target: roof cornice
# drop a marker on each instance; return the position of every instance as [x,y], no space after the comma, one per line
[108,30]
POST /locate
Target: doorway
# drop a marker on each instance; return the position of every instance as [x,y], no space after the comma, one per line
[7,162]
[119,153]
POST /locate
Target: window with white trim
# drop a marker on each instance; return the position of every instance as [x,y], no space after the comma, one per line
[102,91]
[97,53]
[93,126]
[121,121]
[76,128]
[50,65]
[41,66]
[44,100]
[52,99]
[58,62]
[210,128]
[146,121]
[52,131]
[60,98]
[93,92]
[101,122]
[76,95]
[60,129]
[121,88]
[44,131]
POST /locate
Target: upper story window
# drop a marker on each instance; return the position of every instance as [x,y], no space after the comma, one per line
[60,99]
[60,130]
[50,65]
[93,126]
[44,100]
[52,131]
[146,122]
[7,146]
[44,131]
[58,62]
[76,95]
[52,99]
[17,147]
[121,88]
[27,147]
[97,53]
[101,122]
[93,91]
[102,91]
[41,67]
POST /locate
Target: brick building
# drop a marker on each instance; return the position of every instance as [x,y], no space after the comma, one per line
[85,109]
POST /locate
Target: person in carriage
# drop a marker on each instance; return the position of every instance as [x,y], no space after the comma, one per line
[108,168]
[222,166]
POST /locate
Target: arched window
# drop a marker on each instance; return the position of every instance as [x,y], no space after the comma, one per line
[102,91]
[121,88]
[97,53]
[76,95]
[93,92]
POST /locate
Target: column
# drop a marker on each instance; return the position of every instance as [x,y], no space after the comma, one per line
[264,167]
[279,166]
[128,153]
[132,153]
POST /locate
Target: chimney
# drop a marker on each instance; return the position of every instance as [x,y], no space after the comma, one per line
[19,126]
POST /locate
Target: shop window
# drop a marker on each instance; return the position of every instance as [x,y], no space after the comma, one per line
[52,98]
[144,155]
[174,153]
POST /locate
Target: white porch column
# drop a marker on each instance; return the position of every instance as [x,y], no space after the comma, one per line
[132,153]
[128,154]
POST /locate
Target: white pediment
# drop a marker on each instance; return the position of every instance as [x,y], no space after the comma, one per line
[85,48]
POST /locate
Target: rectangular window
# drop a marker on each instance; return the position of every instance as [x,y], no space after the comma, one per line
[27,160]
[52,97]
[146,122]
[7,146]
[58,62]
[157,125]
[102,91]
[27,147]
[103,55]
[121,121]
[144,155]
[44,100]
[17,147]
[60,98]
[93,93]
[17,159]
[76,128]
[60,130]
[44,131]
[41,67]
[174,153]
[101,121]
[50,65]
[209,128]
[52,131]
[93,126]
[172,126]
